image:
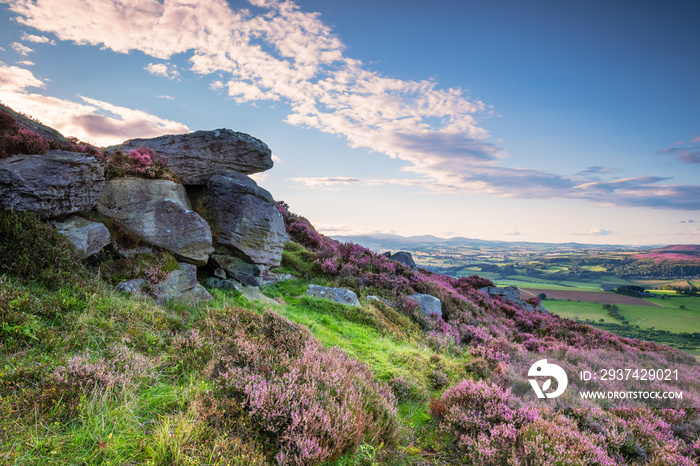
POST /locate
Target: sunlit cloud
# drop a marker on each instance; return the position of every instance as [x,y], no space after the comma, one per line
[26,63]
[595,232]
[37,39]
[21,49]
[95,121]
[165,70]
[285,54]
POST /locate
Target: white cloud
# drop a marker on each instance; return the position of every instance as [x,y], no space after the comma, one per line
[166,70]
[166,97]
[26,63]
[595,232]
[285,54]
[95,121]
[37,39]
[21,49]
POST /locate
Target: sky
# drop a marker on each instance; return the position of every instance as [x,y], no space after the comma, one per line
[544,120]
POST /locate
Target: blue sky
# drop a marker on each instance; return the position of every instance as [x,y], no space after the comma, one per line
[511,120]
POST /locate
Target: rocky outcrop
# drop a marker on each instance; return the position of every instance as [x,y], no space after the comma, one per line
[196,157]
[89,237]
[338,295]
[53,185]
[157,211]
[248,223]
[404,258]
[428,304]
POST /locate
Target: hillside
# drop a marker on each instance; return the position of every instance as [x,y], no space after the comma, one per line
[101,362]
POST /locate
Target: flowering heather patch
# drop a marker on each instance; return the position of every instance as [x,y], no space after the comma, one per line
[484,423]
[316,402]
[141,162]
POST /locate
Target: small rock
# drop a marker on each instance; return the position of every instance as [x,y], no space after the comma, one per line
[131,286]
[428,304]
[89,237]
[238,269]
[337,295]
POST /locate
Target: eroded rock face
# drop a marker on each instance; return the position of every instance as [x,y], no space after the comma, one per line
[89,237]
[249,224]
[158,212]
[53,185]
[196,157]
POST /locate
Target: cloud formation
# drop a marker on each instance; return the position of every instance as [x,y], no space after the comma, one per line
[21,49]
[92,120]
[595,232]
[690,155]
[273,51]
[165,70]
[37,39]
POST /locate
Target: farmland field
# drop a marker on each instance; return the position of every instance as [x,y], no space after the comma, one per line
[588,296]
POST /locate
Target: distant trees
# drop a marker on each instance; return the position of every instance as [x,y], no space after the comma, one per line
[630,290]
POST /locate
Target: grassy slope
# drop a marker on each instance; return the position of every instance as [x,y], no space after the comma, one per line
[153,421]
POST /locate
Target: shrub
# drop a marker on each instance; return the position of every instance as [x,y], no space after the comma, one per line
[480,421]
[32,250]
[316,402]
[141,162]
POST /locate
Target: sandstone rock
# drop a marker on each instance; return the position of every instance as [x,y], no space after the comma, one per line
[270,278]
[196,157]
[404,258]
[338,295]
[52,185]
[158,212]
[89,237]
[428,304]
[237,268]
[181,285]
[249,224]
[251,293]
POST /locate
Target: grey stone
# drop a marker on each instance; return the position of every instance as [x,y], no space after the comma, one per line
[196,157]
[181,285]
[512,294]
[132,286]
[270,278]
[237,268]
[338,295]
[53,185]
[158,212]
[89,237]
[428,304]
[220,273]
[248,223]
[404,258]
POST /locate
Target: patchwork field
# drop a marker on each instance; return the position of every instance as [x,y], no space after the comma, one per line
[587,297]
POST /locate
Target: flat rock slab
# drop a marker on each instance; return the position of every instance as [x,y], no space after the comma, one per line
[246,218]
[428,304]
[89,237]
[52,185]
[196,157]
[337,295]
[158,212]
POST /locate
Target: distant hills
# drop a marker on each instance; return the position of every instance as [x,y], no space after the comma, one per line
[382,241]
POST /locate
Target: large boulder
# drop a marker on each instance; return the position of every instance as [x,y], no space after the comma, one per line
[512,294]
[196,157]
[158,212]
[248,223]
[53,185]
[89,237]
[428,304]
[337,295]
